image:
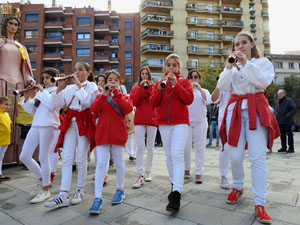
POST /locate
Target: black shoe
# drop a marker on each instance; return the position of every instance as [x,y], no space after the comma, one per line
[174,203]
[282,150]
[291,150]
[131,158]
[73,168]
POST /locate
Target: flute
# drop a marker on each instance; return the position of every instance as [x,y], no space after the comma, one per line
[55,79]
[163,83]
[146,86]
[22,91]
[232,59]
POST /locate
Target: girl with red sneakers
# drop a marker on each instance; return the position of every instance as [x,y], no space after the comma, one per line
[143,124]
[248,119]
[42,133]
[171,95]
[111,134]
[198,127]
[77,128]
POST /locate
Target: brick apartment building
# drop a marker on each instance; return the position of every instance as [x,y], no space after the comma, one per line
[61,36]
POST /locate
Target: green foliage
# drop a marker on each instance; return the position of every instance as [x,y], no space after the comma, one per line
[209,76]
[292,88]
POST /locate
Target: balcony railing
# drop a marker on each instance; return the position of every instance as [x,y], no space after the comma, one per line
[197,65]
[157,62]
[202,8]
[232,24]
[158,33]
[266,41]
[202,22]
[156,5]
[231,9]
[156,19]
[204,37]
[204,51]
[157,48]
[264,13]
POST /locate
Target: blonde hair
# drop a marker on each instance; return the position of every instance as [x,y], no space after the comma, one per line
[172,56]
[255,53]
[4,99]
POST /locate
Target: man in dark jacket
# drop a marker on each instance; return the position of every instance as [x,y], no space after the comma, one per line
[285,110]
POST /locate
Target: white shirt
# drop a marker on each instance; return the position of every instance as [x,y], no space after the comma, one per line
[84,97]
[197,110]
[255,76]
[223,100]
[46,114]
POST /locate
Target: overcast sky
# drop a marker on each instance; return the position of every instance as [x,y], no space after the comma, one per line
[284,18]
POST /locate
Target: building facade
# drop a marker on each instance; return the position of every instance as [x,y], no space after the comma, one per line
[284,66]
[61,36]
[200,32]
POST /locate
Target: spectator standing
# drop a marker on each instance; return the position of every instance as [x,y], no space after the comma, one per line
[213,117]
[285,110]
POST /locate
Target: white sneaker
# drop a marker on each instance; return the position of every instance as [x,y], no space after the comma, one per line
[139,182]
[57,201]
[77,197]
[36,189]
[41,196]
[148,178]
[224,182]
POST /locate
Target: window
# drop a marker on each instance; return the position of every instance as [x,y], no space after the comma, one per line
[211,49]
[114,39]
[195,48]
[31,32]
[31,48]
[128,39]
[99,23]
[84,20]
[194,33]
[128,25]
[209,8]
[278,65]
[114,53]
[209,21]
[114,24]
[31,16]
[212,64]
[210,35]
[83,51]
[127,69]
[195,63]
[128,54]
[83,35]
[291,65]
[33,64]
[194,19]
[114,67]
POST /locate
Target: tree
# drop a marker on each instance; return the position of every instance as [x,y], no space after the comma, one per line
[292,88]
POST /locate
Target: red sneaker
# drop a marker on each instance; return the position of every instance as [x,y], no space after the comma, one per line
[261,215]
[234,196]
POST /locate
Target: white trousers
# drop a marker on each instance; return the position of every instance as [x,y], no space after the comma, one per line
[257,142]
[103,152]
[197,134]
[69,148]
[42,136]
[140,131]
[173,139]
[54,155]
[131,145]
[223,158]
[3,149]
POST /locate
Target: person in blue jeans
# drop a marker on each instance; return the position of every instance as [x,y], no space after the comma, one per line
[213,117]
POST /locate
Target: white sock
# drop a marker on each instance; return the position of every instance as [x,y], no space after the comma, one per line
[64,194]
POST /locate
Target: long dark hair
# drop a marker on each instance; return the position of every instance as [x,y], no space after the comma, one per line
[255,53]
[149,74]
[4,26]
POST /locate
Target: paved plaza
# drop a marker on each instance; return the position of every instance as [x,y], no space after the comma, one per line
[201,203]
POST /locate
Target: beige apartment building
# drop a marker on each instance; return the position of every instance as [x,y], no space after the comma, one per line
[200,32]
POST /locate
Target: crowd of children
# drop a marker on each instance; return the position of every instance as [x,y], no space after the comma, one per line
[95,117]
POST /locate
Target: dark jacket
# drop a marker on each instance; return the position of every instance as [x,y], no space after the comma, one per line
[285,110]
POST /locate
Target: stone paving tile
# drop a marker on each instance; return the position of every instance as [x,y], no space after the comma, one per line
[144,217]
[4,217]
[83,220]
[10,222]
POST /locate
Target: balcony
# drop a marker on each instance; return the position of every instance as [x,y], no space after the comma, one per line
[266,41]
[235,2]
[101,43]
[53,40]
[228,37]
[195,50]
[203,8]
[157,34]
[151,20]
[113,60]
[114,45]
[54,25]
[197,65]
[153,62]
[267,53]
[101,57]
[157,48]
[157,6]
[265,13]
[102,28]
[232,11]
[114,30]
[53,56]
[203,37]
[264,3]
[232,25]
[202,22]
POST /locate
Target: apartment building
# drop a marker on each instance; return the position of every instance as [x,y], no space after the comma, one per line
[200,32]
[61,36]
[284,66]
